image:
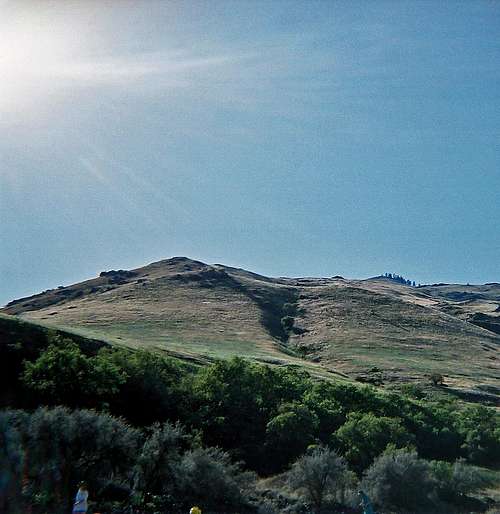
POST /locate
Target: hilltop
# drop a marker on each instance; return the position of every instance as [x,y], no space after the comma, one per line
[374,330]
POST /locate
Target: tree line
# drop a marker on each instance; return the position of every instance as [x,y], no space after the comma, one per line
[400,279]
[230,422]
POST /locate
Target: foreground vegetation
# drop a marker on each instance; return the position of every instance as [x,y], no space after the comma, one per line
[163,435]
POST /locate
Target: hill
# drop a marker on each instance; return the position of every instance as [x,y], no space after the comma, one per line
[372,330]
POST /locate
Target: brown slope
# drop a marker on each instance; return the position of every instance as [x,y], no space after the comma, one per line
[359,328]
[352,326]
[172,303]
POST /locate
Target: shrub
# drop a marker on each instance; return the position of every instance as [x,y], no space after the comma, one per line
[399,480]
[437,379]
[455,481]
[287,323]
[60,447]
[208,478]
[318,476]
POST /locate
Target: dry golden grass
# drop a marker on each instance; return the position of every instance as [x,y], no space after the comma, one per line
[349,327]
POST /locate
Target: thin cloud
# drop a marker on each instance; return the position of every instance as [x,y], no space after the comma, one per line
[173,66]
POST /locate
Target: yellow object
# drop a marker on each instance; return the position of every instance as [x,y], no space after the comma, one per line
[195,510]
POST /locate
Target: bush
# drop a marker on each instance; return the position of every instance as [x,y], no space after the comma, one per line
[59,447]
[399,480]
[211,480]
[152,390]
[437,379]
[480,429]
[158,468]
[455,481]
[319,476]
[12,459]
[287,323]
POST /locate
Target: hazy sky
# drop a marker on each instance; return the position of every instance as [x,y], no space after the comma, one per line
[288,138]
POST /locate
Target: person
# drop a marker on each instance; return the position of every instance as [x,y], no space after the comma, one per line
[366,503]
[80,506]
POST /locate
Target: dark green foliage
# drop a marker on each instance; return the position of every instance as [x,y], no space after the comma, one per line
[328,411]
[289,309]
[152,388]
[399,279]
[364,436]
[233,402]
[287,323]
[62,374]
[157,473]
[437,379]
[265,417]
[11,464]
[290,432]
[45,454]
[20,341]
[480,431]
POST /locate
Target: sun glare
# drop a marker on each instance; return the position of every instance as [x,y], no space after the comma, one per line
[31,55]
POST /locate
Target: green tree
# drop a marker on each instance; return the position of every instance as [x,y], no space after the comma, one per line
[12,459]
[480,429]
[62,374]
[365,436]
[289,433]
[233,402]
[153,387]
[61,447]
[157,472]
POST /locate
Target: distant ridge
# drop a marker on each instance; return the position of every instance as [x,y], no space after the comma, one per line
[327,325]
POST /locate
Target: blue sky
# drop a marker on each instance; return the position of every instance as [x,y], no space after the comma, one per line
[288,138]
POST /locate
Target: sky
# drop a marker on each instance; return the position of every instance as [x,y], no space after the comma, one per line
[294,138]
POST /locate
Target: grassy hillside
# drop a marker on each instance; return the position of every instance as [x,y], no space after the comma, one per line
[369,329]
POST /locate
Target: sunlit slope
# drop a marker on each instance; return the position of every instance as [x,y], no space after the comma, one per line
[178,304]
[354,327]
[358,327]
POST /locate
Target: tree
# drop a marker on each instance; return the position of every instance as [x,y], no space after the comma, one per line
[399,480]
[289,433]
[365,436]
[287,323]
[157,471]
[480,428]
[437,379]
[152,390]
[318,476]
[12,457]
[62,374]
[233,402]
